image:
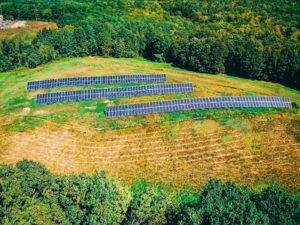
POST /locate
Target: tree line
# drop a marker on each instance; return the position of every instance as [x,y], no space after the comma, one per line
[31,194]
[249,39]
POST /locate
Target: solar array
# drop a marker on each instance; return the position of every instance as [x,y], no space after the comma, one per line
[113,92]
[77,81]
[148,107]
[197,103]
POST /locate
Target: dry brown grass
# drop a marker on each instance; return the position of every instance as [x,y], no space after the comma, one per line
[148,152]
[187,152]
[38,25]
[27,32]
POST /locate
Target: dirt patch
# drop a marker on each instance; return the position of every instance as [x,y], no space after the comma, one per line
[90,107]
[30,25]
[38,25]
[15,24]
[23,30]
[109,103]
[40,112]
[25,111]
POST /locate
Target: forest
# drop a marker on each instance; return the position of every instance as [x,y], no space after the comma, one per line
[244,38]
[31,194]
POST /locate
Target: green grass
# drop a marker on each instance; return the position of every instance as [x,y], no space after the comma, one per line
[226,138]
[224,115]
[22,124]
[242,124]
[13,94]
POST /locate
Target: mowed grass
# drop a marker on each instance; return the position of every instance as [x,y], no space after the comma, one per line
[249,146]
[26,33]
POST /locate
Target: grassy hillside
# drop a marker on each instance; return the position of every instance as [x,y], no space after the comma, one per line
[248,146]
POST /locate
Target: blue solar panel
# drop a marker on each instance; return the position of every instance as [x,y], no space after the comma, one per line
[77,81]
[108,93]
[198,103]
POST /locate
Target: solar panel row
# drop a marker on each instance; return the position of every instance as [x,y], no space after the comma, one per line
[76,81]
[113,92]
[197,103]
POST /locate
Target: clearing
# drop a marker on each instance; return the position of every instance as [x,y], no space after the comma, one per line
[248,146]
[24,30]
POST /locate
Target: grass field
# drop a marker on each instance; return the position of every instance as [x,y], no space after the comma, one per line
[248,146]
[26,33]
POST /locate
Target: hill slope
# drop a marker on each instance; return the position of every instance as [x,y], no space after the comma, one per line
[248,146]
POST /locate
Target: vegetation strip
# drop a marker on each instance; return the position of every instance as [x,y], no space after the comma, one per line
[101,199]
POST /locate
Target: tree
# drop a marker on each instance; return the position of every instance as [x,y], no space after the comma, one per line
[199,50]
[157,44]
[68,46]
[81,41]
[228,204]
[31,194]
[245,57]
[218,56]
[247,39]
[91,38]
[47,53]
[287,68]
[119,49]
[179,52]
[10,54]
[277,205]
[148,205]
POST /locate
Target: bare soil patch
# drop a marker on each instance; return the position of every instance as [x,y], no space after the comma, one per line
[15,24]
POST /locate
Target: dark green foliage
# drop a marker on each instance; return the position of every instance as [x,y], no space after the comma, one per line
[179,52]
[277,206]
[251,39]
[245,57]
[228,204]
[23,191]
[10,55]
[206,55]
[147,201]
[30,194]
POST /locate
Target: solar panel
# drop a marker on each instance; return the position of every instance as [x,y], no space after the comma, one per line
[197,103]
[77,81]
[110,93]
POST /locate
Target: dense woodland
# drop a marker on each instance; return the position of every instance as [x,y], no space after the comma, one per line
[255,39]
[30,194]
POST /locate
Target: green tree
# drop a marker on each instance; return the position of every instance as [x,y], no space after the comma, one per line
[81,41]
[148,205]
[277,205]
[10,54]
[119,49]
[179,52]
[228,204]
[157,44]
[245,57]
